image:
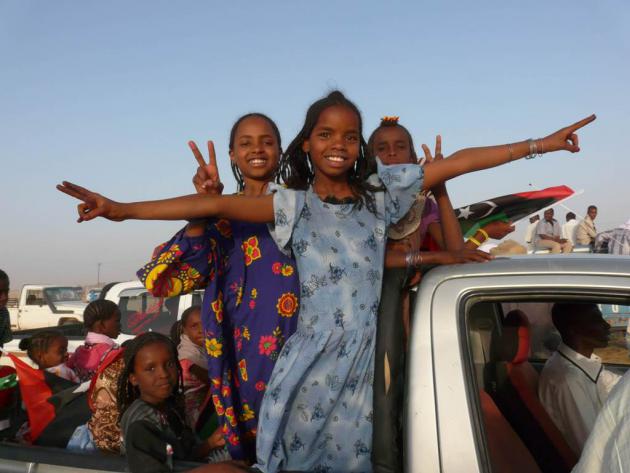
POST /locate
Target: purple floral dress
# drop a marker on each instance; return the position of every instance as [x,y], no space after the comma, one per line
[249,309]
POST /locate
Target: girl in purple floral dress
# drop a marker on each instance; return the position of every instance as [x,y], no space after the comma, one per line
[251,299]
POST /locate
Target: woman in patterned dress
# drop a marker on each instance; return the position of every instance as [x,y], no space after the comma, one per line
[317,410]
[251,298]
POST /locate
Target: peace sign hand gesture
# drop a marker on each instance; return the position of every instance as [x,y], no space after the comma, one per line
[438,151]
[566,138]
[439,189]
[206,180]
[93,205]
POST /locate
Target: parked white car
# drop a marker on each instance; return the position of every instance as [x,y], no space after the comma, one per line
[47,306]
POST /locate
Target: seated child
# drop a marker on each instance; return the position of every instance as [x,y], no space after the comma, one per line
[187,334]
[49,351]
[152,422]
[102,320]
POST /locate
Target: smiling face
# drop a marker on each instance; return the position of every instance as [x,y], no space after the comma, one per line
[391,145]
[193,328]
[256,151]
[154,372]
[334,143]
[56,354]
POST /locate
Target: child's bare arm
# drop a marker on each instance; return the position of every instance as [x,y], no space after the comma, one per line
[249,209]
[398,259]
[449,235]
[476,159]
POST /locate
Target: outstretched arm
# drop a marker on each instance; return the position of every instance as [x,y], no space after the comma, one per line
[475,159]
[189,207]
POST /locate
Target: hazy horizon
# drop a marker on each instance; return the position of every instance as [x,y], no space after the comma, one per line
[108,94]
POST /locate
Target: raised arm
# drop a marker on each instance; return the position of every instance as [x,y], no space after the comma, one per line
[450,237]
[189,207]
[475,159]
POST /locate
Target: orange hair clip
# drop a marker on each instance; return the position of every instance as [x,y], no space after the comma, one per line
[389,120]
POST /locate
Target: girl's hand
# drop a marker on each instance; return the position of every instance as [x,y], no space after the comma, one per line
[427,152]
[94,205]
[498,229]
[566,138]
[206,180]
[216,440]
[462,256]
[440,188]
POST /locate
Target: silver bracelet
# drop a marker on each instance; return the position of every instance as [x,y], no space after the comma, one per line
[409,259]
[533,149]
[418,261]
[413,259]
[541,147]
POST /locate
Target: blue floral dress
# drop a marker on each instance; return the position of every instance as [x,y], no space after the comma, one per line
[249,309]
[317,412]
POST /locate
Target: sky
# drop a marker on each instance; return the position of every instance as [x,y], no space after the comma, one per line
[107,94]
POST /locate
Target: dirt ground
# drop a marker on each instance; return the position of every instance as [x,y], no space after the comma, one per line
[616,352]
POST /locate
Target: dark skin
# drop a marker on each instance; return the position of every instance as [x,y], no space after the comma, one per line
[329,179]
[194,330]
[56,354]
[392,147]
[256,153]
[588,332]
[110,327]
[4,292]
[548,215]
[155,375]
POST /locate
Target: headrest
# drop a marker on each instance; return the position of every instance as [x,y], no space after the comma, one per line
[514,341]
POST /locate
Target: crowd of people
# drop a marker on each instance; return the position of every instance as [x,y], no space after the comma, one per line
[298,348]
[548,235]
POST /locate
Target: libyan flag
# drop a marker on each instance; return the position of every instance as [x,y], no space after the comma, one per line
[512,208]
[53,406]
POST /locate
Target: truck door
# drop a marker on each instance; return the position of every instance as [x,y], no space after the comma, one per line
[33,311]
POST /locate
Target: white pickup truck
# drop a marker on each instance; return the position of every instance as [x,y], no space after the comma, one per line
[461,347]
[46,306]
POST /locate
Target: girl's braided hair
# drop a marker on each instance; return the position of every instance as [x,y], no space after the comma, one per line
[127,392]
[235,170]
[39,343]
[98,310]
[390,122]
[177,329]
[296,168]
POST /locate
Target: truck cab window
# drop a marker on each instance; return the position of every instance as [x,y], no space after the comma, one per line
[141,312]
[35,297]
[509,344]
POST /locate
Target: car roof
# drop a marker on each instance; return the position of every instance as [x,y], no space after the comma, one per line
[588,263]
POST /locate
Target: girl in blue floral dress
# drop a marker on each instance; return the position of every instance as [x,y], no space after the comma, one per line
[251,287]
[317,410]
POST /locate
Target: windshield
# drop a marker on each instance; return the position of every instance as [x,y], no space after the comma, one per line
[58,294]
